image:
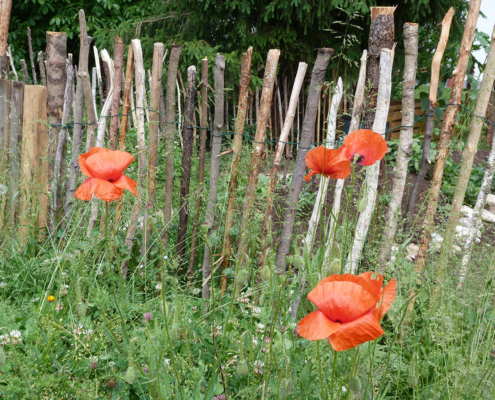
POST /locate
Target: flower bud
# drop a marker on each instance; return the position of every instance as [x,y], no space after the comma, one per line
[130,375]
[361,204]
[355,384]
[262,299]
[266,273]
[81,309]
[173,333]
[334,267]
[289,259]
[242,277]
[242,368]
[339,235]
[298,261]
[204,228]
[285,388]
[281,278]
[412,380]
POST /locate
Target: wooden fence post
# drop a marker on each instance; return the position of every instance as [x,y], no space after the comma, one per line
[185,177]
[5,10]
[118,59]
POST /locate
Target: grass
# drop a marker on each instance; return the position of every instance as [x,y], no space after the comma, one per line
[240,344]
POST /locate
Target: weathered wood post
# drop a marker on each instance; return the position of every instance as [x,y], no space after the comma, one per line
[5,10]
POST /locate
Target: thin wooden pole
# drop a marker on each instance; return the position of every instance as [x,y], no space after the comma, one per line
[30,45]
[185,178]
[154,136]
[5,10]
[139,75]
[237,147]
[277,159]
[405,142]
[259,141]
[118,58]
[169,138]
[214,164]
[41,64]
[202,153]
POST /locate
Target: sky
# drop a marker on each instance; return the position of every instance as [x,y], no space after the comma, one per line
[485,24]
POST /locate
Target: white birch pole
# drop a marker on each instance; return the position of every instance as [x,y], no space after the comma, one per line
[405,142]
[475,221]
[339,186]
[179,125]
[105,111]
[93,91]
[323,189]
[372,172]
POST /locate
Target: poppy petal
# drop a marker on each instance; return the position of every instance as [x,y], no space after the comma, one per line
[84,191]
[124,182]
[315,326]
[360,280]
[342,301]
[388,297]
[370,146]
[354,333]
[341,170]
[109,165]
[318,157]
[377,282]
[83,157]
[102,189]
[311,173]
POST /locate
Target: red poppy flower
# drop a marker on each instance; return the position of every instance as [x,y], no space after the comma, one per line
[105,171]
[349,310]
[327,162]
[368,145]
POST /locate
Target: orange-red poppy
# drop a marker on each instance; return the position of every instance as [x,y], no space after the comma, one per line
[327,162]
[104,169]
[369,146]
[349,309]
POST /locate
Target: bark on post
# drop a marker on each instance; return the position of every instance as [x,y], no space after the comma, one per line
[381,37]
[323,189]
[99,83]
[125,117]
[83,73]
[405,141]
[372,172]
[118,59]
[307,136]
[139,77]
[169,137]
[236,156]
[56,54]
[5,10]
[41,64]
[30,44]
[214,164]
[62,138]
[446,134]
[185,177]
[357,113]
[468,154]
[432,103]
[258,144]
[202,151]
[154,136]
[25,75]
[277,159]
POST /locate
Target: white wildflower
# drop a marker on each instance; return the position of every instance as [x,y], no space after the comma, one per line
[4,339]
[344,389]
[196,291]
[260,328]
[256,311]
[167,361]
[16,337]
[36,299]
[158,286]
[64,290]
[3,285]
[93,359]
[3,189]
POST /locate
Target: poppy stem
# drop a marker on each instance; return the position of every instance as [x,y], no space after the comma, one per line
[335,354]
[321,374]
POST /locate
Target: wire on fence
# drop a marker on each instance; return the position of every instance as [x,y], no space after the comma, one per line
[71,125]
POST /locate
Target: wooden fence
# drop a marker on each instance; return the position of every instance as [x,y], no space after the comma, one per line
[23,153]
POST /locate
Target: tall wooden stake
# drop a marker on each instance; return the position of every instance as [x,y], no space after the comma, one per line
[118,59]
[236,157]
[30,44]
[185,177]
[5,10]
[202,151]
[405,142]
[169,138]
[259,142]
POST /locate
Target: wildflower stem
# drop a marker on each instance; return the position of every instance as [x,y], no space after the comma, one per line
[321,373]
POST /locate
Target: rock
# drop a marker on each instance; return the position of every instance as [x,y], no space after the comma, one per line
[436,242]
[465,222]
[461,233]
[490,203]
[486,216]
[412,251]
[457,249]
